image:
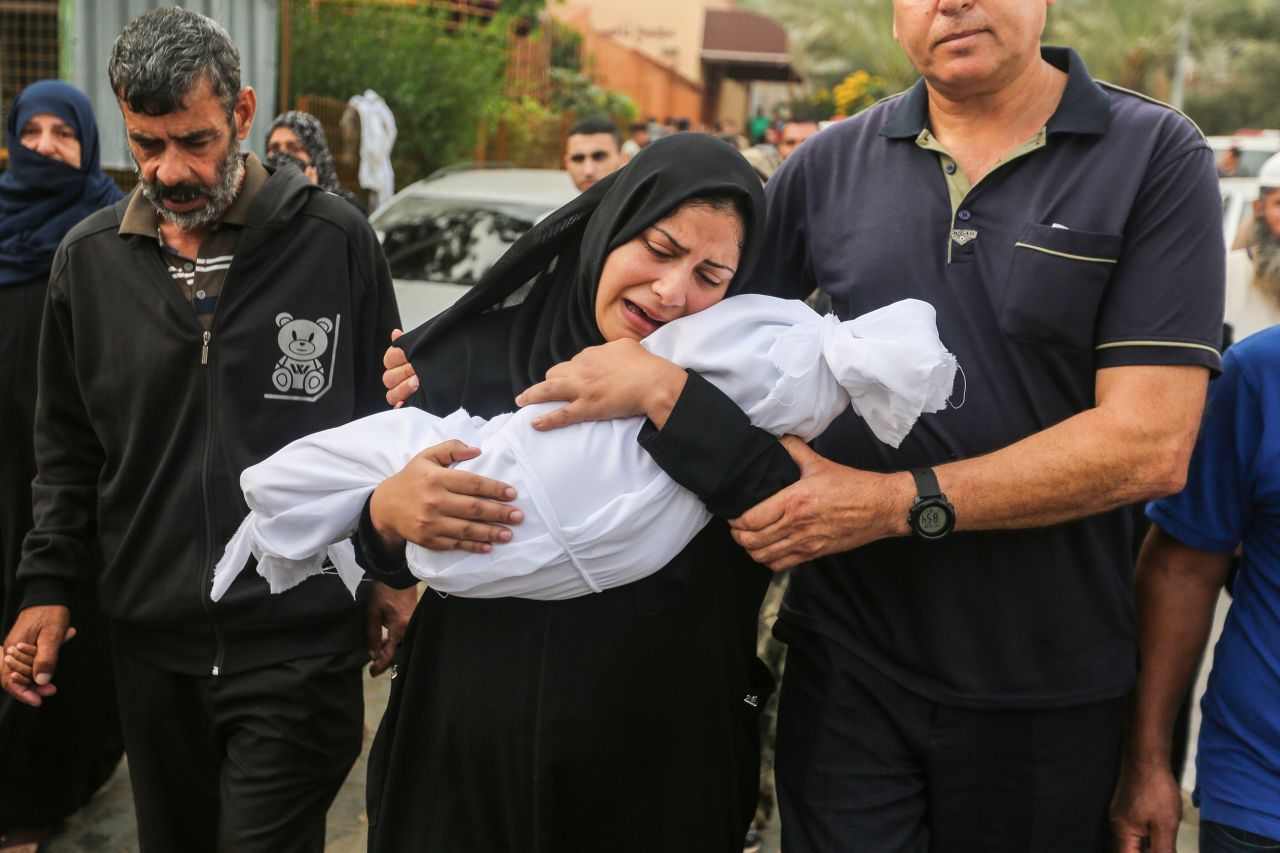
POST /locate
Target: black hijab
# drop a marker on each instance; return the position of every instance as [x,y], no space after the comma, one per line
[564,254]
[310,135]
[41,198]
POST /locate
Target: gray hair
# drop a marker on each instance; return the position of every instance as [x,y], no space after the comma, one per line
[162,55]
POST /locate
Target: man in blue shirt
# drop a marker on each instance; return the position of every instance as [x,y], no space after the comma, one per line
[1232,499]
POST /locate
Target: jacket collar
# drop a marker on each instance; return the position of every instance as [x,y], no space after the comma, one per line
[140,216]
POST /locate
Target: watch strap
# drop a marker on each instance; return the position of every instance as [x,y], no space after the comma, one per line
[926,483]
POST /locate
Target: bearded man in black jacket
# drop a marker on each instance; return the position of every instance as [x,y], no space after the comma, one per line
[191,330]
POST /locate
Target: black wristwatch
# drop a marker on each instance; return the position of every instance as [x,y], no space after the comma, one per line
[932,516]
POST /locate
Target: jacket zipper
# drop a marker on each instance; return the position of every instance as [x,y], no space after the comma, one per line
[206,338]
[206,604]
[219,653]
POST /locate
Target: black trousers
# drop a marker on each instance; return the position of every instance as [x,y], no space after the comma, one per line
[865,765]
[244,762]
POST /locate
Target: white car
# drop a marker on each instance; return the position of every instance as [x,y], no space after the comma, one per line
[441,234]
[1238,195]
[1255,148]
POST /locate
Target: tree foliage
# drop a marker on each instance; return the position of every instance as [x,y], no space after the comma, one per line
[1236,79]
[1234,48]
[441,76]
[858,91]
[1233,57]
[830,39]
[566,44]
[1131,44]
[578,93]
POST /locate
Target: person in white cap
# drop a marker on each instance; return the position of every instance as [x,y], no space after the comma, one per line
[1253,273]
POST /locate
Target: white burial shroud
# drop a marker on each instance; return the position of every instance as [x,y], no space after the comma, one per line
[599,512]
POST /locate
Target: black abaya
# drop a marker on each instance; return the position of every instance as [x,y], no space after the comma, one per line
[624,720]
[53,757]
[620,721]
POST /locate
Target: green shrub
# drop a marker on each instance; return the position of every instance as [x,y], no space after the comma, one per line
[441,78]
[577,93]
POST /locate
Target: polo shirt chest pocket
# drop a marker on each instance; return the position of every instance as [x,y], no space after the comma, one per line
[1055,284]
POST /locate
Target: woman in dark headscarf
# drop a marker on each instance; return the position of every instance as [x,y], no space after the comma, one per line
[625,720]
[56,756]
[297,137]
[54,180]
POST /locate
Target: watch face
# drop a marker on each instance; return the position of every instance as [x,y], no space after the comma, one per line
[932,521]
[932,518]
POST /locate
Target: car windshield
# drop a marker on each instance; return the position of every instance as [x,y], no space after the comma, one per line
[430,239]
[1251,159]
[1251,163]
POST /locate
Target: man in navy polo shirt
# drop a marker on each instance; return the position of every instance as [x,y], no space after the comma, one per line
[962,640]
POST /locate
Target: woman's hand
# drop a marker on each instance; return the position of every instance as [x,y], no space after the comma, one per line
[440,508]
[386,617]
[620,379]
[398,377]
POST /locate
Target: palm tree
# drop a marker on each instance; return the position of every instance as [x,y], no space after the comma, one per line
[1132,43]
[831,38]
[1135,43]
[1233,49]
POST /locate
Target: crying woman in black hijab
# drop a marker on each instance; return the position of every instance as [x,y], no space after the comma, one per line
[670,234]
[644,682]
[609,265]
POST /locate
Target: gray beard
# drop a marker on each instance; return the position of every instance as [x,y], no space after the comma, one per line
[220,196]
[1266,260]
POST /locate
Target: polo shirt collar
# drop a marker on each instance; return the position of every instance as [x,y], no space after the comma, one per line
[1084,107]
[910,115]
[140,216]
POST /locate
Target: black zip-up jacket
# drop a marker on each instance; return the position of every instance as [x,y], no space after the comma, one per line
[144,423]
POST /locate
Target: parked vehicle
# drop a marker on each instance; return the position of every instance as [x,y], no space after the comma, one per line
[441,234]
[1254,147]
[1238,195]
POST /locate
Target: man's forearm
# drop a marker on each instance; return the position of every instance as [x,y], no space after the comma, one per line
[1133,446]
[1177,587]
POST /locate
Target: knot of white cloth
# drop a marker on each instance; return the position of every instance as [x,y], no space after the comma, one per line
[889,364]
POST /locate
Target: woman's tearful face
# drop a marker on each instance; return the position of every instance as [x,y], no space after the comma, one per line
[679,265]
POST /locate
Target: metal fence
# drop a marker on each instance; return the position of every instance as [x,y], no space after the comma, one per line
[28,48]
[90,28]
[341,130]
[71,40]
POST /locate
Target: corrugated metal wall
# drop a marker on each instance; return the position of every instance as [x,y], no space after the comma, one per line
[92,27]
